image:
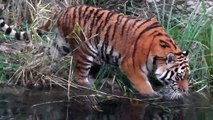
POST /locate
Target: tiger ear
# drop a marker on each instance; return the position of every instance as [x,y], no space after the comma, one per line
[170,58]
[186,53]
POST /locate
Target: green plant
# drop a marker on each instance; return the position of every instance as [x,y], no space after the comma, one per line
[8,66]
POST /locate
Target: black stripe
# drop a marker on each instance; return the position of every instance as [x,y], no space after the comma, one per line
[87,7]
[172,87]
[172,43]
[184,62]
[100,26]
[163,78]
[107,59]
[98,18]
[111,51]
[25,36]
[156,34]
[175,66]
[176,77]
[88,47]
[86,51]
[110,54]
[2,24]
[106,39]
[171,75]
[115,26]
[180,57]
[93,45]
[93,21]
[109,15]
[166,81]
[8,31]
[185,66]
[95,17]
[176,69]
[105,43]
[142,25]
[174,84]
[136,20]
[74,14]
[106,36]
[88,61]
[79,66]
[152,26]
[105,48]
[178,54]
[83,15]
[116,61]
[17,36]
[98,29]
[85,57]
[87,17]
[83,75]
[66,16]
[124,26]
[101,51]
[117,58]
[80,12]
[97,38]
[85,60]
[171,81]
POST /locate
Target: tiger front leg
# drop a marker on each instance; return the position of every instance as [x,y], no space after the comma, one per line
[81,73]
[139,80]
[83,60]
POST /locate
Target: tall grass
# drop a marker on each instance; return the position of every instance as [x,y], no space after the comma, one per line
[196,36]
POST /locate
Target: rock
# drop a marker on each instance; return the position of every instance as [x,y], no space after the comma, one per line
[180,7]
[190,3]
[150,1]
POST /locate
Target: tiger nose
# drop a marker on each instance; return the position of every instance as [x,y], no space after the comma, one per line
[183,85]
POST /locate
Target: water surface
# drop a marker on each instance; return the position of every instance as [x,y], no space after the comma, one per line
[20,104]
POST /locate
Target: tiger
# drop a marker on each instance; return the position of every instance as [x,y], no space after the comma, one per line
[135,45]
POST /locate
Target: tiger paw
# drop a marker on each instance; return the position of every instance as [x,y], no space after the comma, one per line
[86,84]
[153,95]
[83,83]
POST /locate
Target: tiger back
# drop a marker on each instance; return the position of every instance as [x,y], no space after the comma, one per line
[135,45]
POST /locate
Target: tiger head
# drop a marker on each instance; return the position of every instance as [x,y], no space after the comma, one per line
[175,73]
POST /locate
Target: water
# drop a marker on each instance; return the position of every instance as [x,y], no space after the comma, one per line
[19,104]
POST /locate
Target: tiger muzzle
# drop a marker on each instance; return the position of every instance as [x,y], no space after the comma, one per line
[183,85]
